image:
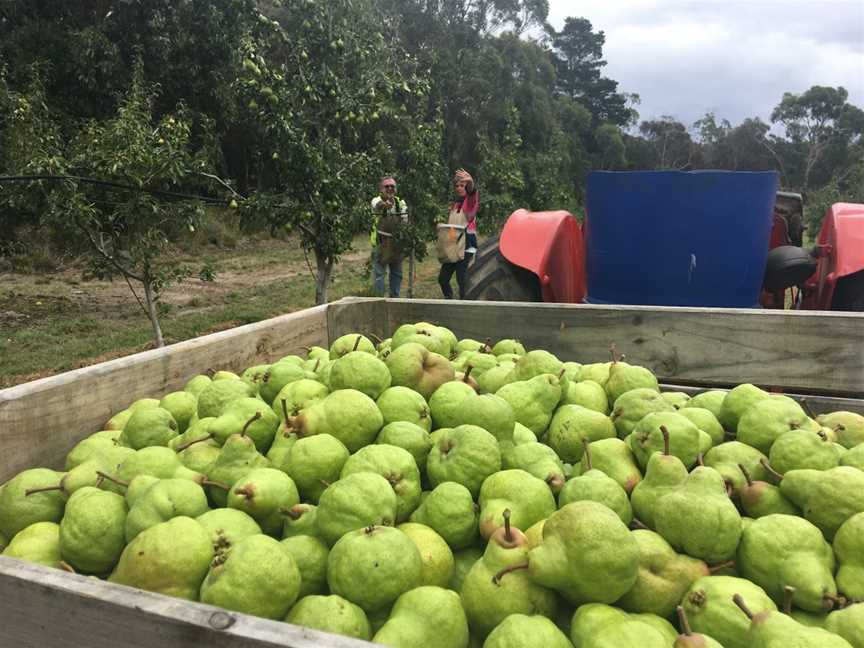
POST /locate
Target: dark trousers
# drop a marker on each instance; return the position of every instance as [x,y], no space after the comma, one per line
[460,268]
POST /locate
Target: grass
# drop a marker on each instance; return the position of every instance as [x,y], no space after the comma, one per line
[50,323]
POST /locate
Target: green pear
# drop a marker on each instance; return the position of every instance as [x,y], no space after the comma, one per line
[826,497]
[397,466]
[213,398]
[98,443]
[491,380]
[766,420]
[436,555]
[522,434]
[848,623]
[778,550]
[524,631]
[800,449]
[171,558]
[330,614]
[284,439]
[623,377]
[444,403]
[463,561]
[182,406]
[237,458]
[632,406]
[759,498]
[712,400]
[278,376]
[310,554]
[705,420]
[410,437]
[315,462]
[197,384]
[573,423]
[587,554]
[587,393]
[613,457]
[92,531]
[373,566]
[255,374]
[508,346]
[258,576]
[301,519]
[166,499]
[37,543]
[849,549]
[466,455]
[539,460]
[152,426]
[119,420]
[534,401]
[355,501]
[685,440]
[25,500]
[737,402]
[499,585]
[361,371]
[772,628]
[527,499]
[424,334]
[425,616]
[468,344]
[676,398]
[664,576]
[699,518]
[347,414]
[600,626]
[297,396]
[200,457]
[491,412]
[413,365]
[848,426]
[596,371]
[690,639]
[264,493]
[596,486]
[536,363]
[404,404]
[665,474]
[450,510]
[227,527]
[350,342]
[224,374]
[711,611]
[727,459]
[249,417]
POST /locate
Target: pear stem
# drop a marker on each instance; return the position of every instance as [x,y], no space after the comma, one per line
[488,345]
[496,579]
[586,459]
[357,342]
[210,372]
[739,601]
[612,352]
[831,601]
[291,513]
[700,460]
[507,534]
[636,524]
[665,434]
[683,622]
[768,467]
[254,418]
[66,567]
[788,593]
[245,491]
[183,446]
[377,339]
[43,489]
[805,405]
[119,482]
[720,566]
[215,484]
[285,410]
[468,371]
[324,483]
[746,474]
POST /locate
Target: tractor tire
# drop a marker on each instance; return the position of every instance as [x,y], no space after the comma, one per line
[492,278]
[849,293]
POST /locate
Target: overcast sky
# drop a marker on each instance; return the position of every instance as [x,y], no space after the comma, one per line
[735,57]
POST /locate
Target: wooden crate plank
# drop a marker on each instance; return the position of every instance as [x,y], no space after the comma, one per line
[801,351]
[357,315]
[48,607]
[40,421]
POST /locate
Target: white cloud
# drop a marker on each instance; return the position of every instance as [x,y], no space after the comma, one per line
[734,57]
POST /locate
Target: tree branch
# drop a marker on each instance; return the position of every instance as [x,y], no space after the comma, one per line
[110,259]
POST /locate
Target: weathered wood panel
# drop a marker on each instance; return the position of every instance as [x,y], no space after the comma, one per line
[358,315]
[40,421]
[48,607]
[807,352]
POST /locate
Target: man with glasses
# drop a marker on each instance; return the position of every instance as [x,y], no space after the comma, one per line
[389,212]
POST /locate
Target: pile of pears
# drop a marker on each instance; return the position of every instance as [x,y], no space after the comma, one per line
[425,491]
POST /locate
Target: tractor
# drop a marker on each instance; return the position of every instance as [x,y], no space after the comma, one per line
[706,238]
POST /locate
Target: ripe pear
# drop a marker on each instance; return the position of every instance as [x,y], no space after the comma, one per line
[508,346]
[690,639]
[315,462]
[848,426]
[469,344]
[766,420]
[491,380]
[397,466]
[413,365]
[587,554]
[499,585]
[255,374]
[595,371]
[685,440]
[361,371]
[227,527]
[737,402]
[849,549]
[98,443]
[355,501]
[632,406]
[279,375]
[237,458]
[527,499]
[301,519]
[424,334]
[596,486]
[826,497]
[444,403]
[712,400]
[330,614]
[196,384]
[425,616]
[676,398]
[524,631]
[463,561]
[219,393]
[350,342]
[539,460]
[534,401]
[250,417]
[310,554]
[854,457]
[373,566]
[152,426]
[450,510]
[727,459]
[296,396]
[410,437]
[623,377]
[759,498]
[264,493]
[587,393]
[665,474]
[92,531]
[491,412]
[573,423]
[466,455]
[800,449]
[848,623]
[347,414]
[166,499]
[613,457]
[521,435]
[772,628]
[18,509]
[436,555]
[171,558]
[664,576]
[706,421]
[37,543]
[404,404]
[182,406]
[711,611]
[595,625]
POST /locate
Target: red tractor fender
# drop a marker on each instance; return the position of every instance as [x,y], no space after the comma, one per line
[840,247]
[550,245]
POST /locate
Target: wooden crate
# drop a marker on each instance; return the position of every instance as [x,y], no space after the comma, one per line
[817,354]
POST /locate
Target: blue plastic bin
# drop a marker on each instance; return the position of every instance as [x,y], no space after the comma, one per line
[674,238]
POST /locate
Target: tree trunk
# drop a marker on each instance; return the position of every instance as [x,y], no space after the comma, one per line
[322,279]
[151,313]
